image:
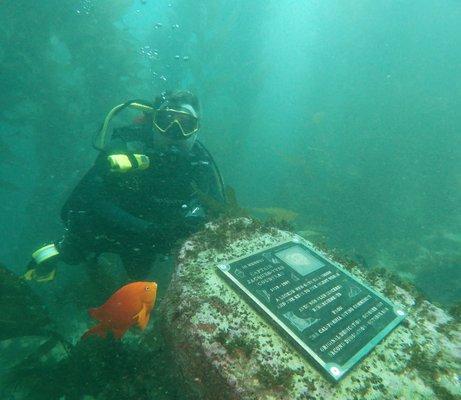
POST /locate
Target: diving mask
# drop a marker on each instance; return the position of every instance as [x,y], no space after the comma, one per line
[187,123]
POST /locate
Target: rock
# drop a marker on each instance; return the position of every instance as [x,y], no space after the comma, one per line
[228,351]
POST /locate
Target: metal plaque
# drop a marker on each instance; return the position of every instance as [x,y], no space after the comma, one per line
[332,317]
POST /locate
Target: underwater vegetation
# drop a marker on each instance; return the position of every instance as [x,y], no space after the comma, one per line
[21,310]
[107,369]
[137,367]
[277,213]
[276,216]
[23,315]
[229,207]
[57,64]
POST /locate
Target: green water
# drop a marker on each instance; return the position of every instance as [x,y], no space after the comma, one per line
[345,114]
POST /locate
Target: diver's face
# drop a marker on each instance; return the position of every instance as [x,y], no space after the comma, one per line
[165,142]
[175,128]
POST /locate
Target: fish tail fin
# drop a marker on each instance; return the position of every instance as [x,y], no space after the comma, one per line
[99,330]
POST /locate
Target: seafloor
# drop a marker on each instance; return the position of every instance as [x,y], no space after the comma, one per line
[205,342]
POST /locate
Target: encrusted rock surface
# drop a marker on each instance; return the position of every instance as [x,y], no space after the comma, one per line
[228,351]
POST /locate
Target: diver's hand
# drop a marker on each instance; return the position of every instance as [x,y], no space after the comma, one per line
[42,273]
[194,217]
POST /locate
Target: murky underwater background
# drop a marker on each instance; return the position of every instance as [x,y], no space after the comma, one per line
[342,117]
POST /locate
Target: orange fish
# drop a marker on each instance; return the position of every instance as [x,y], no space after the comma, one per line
[130,305]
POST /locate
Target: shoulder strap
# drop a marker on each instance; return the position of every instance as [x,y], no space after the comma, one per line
[202,151]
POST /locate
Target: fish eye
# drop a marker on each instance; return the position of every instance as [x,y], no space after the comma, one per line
[147,288]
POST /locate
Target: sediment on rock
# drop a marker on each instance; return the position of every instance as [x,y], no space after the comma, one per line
[226,350]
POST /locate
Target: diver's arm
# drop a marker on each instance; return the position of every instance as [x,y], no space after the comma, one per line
[115,217]
[103,207]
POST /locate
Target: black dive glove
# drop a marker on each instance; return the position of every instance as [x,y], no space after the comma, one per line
[42,272]
[194,216]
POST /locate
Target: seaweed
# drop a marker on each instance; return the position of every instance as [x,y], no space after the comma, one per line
[448,329]
[21,310]
[270,377]
[228,208]
[277,214]
[442,393]
[429,371]
[236,344]
[455,311]
[103,368]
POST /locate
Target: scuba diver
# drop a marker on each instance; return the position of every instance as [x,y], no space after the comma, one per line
[143,193]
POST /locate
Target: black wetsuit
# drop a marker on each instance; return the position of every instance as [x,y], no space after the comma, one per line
[139,213]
